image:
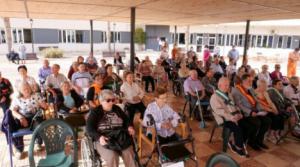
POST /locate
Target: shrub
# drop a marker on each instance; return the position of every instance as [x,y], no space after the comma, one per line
[139,36]
[52,53]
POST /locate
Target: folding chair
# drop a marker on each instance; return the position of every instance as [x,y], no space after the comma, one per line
[18,133]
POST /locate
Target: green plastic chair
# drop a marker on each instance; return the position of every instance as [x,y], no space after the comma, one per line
[54,133]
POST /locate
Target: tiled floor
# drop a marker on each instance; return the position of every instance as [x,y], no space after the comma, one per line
[286,154]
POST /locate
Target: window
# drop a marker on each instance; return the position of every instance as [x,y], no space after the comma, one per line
[231,40]
[227,40]
[104,37]
[17,35]
[79,36]
[27,35]
[264,41]
[115,37]
[191,38]
[280,42]
[2,36]
[68,36]
[270,42]
[199,41]
[288,43]
[240,40]
[253,41]
[221,40]
[258,44]
[236,40]
[181,38]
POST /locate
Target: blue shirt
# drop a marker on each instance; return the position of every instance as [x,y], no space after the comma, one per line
[69,101]
[44,73]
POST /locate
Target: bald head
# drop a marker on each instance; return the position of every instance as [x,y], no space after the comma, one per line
[193,74]
[224,84]
[46,63]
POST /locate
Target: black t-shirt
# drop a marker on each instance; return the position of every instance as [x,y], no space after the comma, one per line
[91,94]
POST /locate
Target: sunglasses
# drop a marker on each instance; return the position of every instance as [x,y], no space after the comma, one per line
[110,100]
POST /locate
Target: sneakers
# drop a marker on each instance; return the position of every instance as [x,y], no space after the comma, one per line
[233,148]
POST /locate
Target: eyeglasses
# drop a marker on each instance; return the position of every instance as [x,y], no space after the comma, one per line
[110,100]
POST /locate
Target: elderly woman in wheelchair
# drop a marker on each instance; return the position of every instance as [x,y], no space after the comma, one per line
[110,130]
[170,147]
[24,110]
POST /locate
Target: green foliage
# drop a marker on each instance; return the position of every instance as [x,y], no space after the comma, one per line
[52,53]
[139,36]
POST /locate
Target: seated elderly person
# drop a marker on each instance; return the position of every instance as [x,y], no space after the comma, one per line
[292,91]
[22,69]
[237,79]
[111,80]
[133,95]
[193,86]
[81,80]
[145,69]
[92,66]
[256,124]
[110,130]
[268,106]
[24,108]
[209,83]
[165,117]
[54,81]
[226,113]
[159,73]
[183,71]
[265,74]
[217,69]
[282,103]
[68,101]
[44,71]
[95,90]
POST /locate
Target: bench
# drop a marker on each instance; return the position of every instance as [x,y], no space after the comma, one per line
[31,56]
[111,54]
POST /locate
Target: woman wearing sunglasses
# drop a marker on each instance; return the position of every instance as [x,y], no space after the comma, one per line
[110,129]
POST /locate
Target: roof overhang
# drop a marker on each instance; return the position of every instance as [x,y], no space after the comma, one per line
[161,12]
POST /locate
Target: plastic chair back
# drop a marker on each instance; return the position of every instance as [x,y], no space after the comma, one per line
[54,133]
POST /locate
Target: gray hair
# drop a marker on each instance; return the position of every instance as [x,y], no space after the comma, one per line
[104,94]
[261,81]
[222,80]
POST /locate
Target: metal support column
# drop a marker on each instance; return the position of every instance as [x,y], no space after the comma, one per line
[91,37]
[175,35]
[32,37]
[132,30]
[246,42]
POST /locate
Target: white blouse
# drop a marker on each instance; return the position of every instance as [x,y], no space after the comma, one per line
[27,107]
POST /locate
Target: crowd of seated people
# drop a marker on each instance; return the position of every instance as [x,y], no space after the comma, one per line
[251,105]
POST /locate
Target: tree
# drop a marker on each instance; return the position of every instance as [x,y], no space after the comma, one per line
[139,36]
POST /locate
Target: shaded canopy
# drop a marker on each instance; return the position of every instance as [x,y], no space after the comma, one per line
[162,12]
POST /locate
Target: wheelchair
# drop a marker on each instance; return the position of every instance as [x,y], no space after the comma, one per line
[177,86]
[172,153]
[90,156]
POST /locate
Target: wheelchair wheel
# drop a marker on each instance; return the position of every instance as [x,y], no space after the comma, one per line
[89,156]
[176,88]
